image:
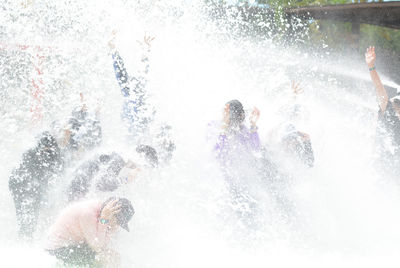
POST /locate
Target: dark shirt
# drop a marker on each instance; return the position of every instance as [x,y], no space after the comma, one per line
[85,130]
[38,166]
[388,132]
[111,164]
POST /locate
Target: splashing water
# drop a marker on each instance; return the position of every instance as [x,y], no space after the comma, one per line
[347,211]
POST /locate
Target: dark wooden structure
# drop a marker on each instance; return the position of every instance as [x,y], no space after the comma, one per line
[386,14]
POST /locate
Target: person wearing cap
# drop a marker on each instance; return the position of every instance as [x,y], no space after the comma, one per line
[110,171]
[29,182]
[83,232]
[388,120]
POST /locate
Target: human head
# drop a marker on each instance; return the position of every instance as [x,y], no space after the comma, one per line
[396,102]
[164,143]
[236,113]
[298,145]
[126,211]
[48,148]
[149,153]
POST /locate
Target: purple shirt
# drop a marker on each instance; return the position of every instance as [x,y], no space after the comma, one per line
[237,145]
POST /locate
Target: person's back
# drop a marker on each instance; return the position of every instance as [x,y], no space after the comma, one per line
[86,132]
[106,166]
[29,182]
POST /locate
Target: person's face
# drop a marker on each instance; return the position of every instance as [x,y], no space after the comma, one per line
[226,113]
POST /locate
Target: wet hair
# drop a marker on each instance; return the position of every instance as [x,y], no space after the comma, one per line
[104,158]
[150,154]
[236,113]
[302,150]
[49,152]
[47,140]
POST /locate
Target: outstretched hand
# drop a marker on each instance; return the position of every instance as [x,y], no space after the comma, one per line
[370,57]
[255,115]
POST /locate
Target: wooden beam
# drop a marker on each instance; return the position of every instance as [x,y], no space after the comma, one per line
[386,14]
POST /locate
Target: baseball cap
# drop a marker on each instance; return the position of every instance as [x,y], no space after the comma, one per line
[126,212]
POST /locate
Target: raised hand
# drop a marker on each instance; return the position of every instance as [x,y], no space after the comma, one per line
[296,88]
[111,42]
[255,115]
[147,40]
[370,57]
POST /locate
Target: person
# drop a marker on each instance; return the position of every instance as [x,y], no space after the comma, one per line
[85,128]
[297,145]
[137,113]
[291,143]
[234,132]
[238,151]
[388,130]
[84,231]
[149,154]
[80,134]
[113,172]
[29,182]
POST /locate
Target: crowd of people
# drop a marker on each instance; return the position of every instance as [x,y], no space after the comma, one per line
[82,232]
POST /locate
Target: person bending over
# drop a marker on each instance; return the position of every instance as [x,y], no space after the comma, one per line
[83,233]
[110,171]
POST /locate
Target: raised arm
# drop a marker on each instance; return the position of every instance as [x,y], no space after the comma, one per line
[121,74]
[139,81]
[380,89]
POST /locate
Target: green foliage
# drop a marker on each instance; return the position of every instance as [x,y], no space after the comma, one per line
[338,35]
[386,38]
